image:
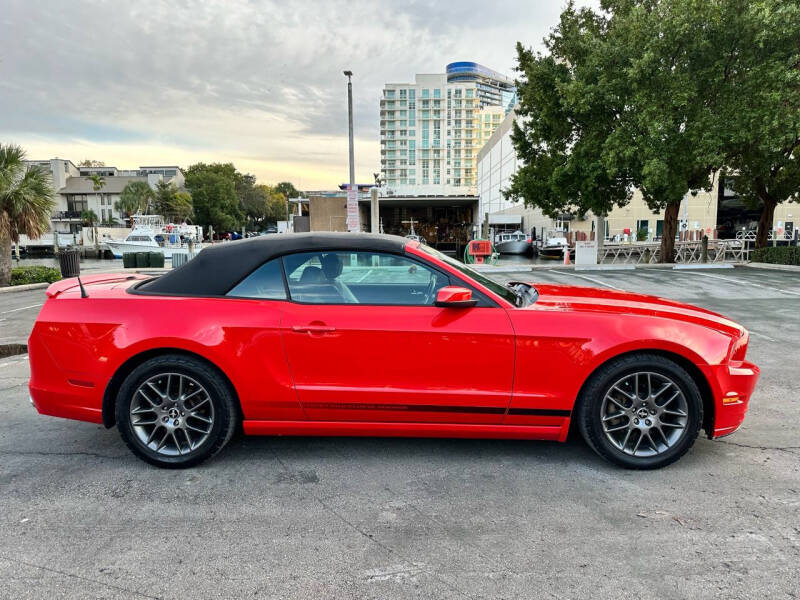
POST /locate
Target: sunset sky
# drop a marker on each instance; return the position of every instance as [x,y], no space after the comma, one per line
[255,83]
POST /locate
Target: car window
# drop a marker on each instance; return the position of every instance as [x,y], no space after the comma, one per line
[361,278]
[265,282]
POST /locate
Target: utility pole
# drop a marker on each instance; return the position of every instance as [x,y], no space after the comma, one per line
[349,74]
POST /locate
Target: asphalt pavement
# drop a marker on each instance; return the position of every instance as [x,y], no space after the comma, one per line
[407,518]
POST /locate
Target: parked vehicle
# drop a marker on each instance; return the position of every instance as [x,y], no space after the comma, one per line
[359,334]
[554,248]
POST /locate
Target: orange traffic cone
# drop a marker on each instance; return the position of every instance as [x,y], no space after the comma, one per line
[566,255]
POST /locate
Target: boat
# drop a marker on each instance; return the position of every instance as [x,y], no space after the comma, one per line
[554,248]
[512,242]
[151,234]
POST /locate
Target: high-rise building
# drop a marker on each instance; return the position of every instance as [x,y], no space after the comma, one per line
[432,129]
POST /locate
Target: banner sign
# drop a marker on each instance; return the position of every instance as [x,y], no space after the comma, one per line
[352,210]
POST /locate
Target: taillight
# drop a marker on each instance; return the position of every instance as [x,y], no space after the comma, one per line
[739,349]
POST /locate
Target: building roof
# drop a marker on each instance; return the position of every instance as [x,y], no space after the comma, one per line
[84,185]
[216,270]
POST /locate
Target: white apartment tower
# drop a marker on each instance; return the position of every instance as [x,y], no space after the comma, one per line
[432,129]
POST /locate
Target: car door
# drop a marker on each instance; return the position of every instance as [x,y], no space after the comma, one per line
[365,342]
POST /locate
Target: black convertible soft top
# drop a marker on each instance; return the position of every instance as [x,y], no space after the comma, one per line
[215,270]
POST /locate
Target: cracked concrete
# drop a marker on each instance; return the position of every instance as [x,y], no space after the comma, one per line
[393,518]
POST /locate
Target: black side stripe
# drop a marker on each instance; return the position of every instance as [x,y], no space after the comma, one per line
[486,410]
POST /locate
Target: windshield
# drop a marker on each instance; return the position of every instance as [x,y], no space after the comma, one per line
[510,295]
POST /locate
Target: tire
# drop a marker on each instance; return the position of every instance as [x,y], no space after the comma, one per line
[612,421]
[175,411]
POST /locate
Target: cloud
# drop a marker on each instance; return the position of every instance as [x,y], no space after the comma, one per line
[257,82]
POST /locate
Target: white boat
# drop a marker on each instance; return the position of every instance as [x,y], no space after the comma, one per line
[151,234]
[554,248]
[512,242]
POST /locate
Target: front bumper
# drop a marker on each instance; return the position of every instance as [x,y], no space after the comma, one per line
[731,385]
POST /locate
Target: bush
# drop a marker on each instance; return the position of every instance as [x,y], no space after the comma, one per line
[35,274]
[777,255]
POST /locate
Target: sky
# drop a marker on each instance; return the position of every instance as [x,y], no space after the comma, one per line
[253,82]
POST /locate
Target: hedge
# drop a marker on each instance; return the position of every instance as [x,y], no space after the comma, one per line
[34,274]
[778,255]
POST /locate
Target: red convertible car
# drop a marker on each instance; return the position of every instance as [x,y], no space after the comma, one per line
[357,334]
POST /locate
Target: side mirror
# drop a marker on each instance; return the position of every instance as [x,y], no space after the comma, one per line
[452,296]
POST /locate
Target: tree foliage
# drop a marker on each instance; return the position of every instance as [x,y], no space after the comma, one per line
[765,112]
[88,162]
[134,198]
[26,203]
[173,204]
[655,94]
[567,113]
[213,189]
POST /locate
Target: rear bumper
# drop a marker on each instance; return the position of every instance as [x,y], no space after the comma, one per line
[732,386]
[58,393]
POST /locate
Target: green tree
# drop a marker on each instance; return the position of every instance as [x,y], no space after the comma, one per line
[98,182]
[765,108]
[26,203]
[213,189]
[669,60]
[169,201]
[567,112]
[134,198]
[88,162]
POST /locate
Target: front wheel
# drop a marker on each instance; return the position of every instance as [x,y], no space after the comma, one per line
[641,411]
[175,411]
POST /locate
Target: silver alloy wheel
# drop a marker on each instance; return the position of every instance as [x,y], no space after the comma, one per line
[644,414]
[172,414]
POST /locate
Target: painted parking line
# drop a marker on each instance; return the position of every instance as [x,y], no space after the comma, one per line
[5,312]
[741,282]
[587,278]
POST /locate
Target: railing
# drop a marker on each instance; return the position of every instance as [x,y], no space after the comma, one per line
[66,214]
[719,251]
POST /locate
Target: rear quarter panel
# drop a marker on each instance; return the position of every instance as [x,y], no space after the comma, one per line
[78,344]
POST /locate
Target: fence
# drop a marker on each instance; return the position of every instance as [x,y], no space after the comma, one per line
[719,251]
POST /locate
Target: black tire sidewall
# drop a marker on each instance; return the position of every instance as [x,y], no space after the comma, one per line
[592,399]
[220,398]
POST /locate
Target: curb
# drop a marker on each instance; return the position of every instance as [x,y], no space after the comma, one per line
[772,267]
[23,288]
[7,350]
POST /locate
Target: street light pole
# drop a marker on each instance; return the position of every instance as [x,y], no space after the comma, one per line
[349,74]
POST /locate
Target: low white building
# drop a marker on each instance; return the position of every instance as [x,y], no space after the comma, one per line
[75,193]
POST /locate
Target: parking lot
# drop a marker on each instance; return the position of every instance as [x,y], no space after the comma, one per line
[401,518]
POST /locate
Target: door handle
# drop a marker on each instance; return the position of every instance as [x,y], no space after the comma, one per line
[313,328]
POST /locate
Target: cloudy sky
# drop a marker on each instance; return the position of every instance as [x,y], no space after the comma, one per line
[256,82]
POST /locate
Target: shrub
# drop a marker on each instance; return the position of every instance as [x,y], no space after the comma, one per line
[34,274]
[778,255]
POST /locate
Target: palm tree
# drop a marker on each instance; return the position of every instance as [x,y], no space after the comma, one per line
[89,217]
[134,198]
[26,203]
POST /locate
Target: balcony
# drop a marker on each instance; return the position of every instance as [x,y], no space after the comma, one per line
[66,215]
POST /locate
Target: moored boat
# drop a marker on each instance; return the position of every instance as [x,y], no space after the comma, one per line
[514,242]
[151,234]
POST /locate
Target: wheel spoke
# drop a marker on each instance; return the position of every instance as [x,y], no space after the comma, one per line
[639,441]
[677,413]
[163,440]
[614,416]
[143,410]
[152,435]
[623,392]
[203,419]
[146,397]
[193,428]
[177,443]
[675,425]
[617,428]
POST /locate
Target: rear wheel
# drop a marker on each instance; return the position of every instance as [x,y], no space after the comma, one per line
[175,411]
[641,411]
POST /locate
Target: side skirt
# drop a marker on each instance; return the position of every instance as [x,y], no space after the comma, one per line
[444,430]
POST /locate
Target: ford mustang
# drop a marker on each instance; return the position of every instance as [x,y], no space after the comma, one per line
[358,334]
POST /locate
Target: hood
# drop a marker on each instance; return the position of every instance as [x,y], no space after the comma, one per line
[589,299]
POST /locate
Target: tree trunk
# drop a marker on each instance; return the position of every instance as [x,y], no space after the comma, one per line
[668,234]
[765,222]
[5,257]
